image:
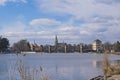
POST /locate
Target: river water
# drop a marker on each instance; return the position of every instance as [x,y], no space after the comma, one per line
[56,66]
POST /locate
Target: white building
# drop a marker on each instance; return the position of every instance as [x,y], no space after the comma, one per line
[97,45]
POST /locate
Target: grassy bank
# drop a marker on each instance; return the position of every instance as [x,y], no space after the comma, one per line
[108,69]
[111,72]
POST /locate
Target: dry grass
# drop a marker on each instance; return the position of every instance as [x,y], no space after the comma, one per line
[106,69]
[27,73]
[110,70]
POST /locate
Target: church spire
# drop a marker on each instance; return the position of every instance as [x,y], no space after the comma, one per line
[56,40]
[56,43]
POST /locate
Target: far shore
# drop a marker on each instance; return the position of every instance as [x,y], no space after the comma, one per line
[115,53]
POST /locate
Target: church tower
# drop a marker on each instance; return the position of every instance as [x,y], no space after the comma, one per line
[56,40]
[56,43]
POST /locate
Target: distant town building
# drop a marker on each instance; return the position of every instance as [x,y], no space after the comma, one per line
[67,48]
[35,47]
[60,47]
[56,44]
[97,45]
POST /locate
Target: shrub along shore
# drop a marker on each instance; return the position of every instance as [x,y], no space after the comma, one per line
[111,72]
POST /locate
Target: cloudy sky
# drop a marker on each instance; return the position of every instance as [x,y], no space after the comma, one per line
[74,21]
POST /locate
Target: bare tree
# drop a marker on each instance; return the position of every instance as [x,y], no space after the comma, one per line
[22,45]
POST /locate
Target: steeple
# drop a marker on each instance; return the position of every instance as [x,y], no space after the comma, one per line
[56,40]
[56,43]
[35,43]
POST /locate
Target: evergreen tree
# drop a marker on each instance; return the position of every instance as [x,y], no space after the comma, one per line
[4,44]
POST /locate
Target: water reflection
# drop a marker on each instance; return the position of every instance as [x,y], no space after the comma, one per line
[98,64]
[56,66]
[94,63]
[117,61]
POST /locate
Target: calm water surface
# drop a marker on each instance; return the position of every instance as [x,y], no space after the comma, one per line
[72,66]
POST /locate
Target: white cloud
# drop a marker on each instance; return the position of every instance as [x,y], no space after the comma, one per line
[78,8]
[100,21]
[108,1]
[44,21]
[85,32]
[3,2]
[13,27]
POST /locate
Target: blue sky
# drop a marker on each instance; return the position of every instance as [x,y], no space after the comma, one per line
[74,21]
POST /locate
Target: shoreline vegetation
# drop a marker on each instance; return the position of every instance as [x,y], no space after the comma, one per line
[111,72]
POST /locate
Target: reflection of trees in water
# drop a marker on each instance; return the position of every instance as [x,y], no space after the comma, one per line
[114,62]
[99,64]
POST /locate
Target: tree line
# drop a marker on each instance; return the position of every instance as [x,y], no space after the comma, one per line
[24,45]
[21,46]
[109,46]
